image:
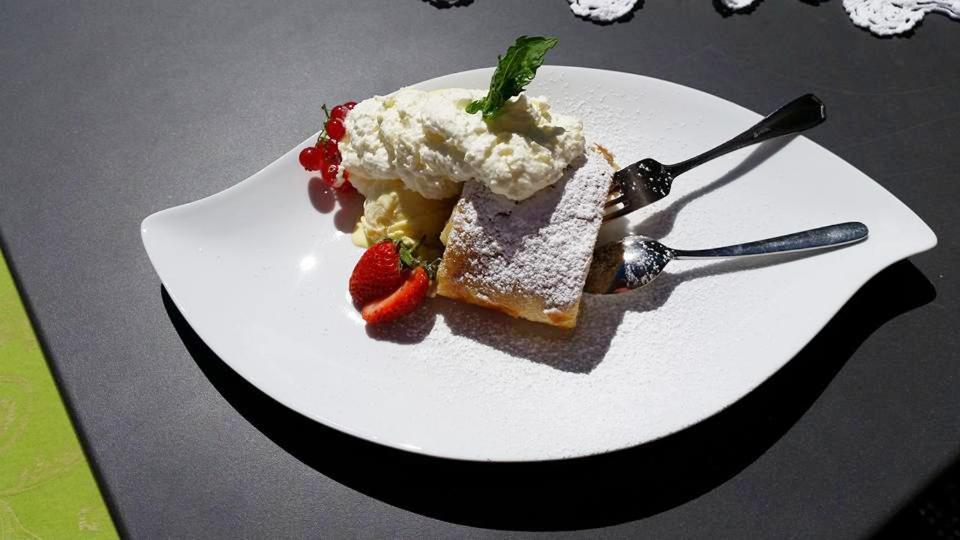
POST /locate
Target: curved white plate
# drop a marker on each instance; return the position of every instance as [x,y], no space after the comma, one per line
[261,276]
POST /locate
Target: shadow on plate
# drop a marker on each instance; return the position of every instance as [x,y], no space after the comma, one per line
[348,206]
[585,492]
[581,349]
[660,224]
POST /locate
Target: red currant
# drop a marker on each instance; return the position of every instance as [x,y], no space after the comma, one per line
[329,174]
[350,105]
[335,129]
[331,152]
[339,112]
[311,158]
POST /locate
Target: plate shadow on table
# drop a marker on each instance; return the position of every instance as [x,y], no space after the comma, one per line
[579,493]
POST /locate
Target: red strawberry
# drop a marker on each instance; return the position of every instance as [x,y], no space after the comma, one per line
[400,303]
[377,274]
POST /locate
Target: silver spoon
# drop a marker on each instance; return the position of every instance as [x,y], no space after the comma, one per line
[637,260]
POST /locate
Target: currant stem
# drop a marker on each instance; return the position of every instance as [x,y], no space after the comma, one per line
[323,132]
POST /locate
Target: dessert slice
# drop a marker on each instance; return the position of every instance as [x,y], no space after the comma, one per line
[528,258]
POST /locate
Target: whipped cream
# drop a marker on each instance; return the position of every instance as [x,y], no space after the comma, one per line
[429,142]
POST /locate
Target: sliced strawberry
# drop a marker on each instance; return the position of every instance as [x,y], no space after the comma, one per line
[377,274]
[400,303]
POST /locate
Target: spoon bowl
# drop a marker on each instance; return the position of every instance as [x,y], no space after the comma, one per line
[636,261]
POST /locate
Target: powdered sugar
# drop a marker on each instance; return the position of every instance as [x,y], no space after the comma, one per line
[538,249]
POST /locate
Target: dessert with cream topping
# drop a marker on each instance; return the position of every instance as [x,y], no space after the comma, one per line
[413,148]
[524,191]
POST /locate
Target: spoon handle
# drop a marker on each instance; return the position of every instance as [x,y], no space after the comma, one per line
[822,237]
[800,114]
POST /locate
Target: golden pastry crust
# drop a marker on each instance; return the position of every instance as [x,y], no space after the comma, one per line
[528,259]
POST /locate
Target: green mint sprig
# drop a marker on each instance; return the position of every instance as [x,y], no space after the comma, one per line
[515,70]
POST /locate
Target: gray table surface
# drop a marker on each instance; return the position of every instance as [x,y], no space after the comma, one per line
[111,111]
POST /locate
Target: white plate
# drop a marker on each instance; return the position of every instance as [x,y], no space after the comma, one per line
[260,272]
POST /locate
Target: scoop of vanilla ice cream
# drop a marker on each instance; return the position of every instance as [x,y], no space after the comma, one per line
[429,142]
[390,210]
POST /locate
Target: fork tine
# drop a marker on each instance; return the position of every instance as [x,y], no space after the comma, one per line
[614,201]
[617,213]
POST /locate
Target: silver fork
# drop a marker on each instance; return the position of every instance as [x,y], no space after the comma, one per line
[635,261]
[648,180]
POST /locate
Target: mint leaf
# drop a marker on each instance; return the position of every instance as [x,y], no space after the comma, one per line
[514,71]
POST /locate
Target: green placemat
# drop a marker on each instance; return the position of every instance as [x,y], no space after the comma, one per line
[47,489]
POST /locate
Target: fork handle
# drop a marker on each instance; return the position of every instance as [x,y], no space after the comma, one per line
[800,114]
[819,238]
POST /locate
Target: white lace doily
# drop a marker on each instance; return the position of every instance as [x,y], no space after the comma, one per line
[884,17]
[602,10]
[888,17]
[738,4]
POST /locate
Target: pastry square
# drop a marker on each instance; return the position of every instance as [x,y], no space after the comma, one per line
[528,258]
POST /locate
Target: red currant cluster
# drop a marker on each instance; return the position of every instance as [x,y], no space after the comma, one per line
[324,156]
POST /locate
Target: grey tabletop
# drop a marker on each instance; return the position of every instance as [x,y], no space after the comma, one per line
[114,110]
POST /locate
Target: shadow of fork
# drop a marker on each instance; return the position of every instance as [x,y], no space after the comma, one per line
[661,223]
